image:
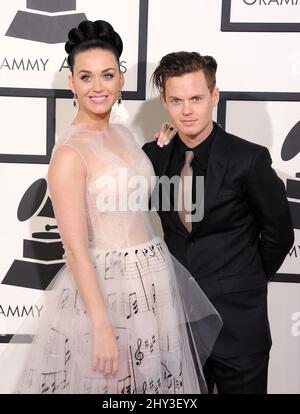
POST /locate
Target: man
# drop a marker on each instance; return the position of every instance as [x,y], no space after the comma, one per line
[246,230]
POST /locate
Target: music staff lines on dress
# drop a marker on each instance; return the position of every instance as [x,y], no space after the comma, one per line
[124,385]
[144,300]
[170,343]
[112,301]
[153,386]
[124,264]
[141,302]
[53,381]
[85,384]
[68,299]
[171,380]
[78,304]
[63,299]
[95,386]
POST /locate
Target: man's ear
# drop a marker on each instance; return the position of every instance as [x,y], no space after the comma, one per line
[216,96]
[71,83]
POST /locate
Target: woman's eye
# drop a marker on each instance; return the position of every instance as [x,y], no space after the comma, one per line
[108,76]
[86,78]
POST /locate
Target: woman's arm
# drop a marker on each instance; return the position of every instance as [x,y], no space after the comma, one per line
[66,179]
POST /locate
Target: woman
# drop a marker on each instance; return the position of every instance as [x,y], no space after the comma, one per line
[116,319]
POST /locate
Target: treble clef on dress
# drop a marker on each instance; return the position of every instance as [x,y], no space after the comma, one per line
[139,356]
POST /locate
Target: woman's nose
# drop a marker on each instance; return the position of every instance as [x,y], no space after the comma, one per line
[97,85]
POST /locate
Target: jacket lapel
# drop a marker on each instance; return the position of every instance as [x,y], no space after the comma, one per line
[217,166]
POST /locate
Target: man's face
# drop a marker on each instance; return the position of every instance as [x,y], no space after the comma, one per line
[190,105]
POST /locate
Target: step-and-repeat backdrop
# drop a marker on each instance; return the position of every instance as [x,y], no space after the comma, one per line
[256,44]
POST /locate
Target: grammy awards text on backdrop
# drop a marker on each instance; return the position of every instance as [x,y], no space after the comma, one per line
[37,64]
[272,2]
[260,15]
[19,311]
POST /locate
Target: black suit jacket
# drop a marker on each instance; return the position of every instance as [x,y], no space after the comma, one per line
[241,242]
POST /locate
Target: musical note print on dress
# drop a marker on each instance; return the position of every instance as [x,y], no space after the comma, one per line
[67,351]
[53,381]
[63,300]
[124,385]
[112,302]
[139,356]
[153,386]
[132,305]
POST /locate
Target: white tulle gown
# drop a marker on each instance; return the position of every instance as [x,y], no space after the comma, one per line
[153,302]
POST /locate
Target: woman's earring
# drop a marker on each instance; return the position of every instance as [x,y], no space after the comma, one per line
[74,100]
[120,98]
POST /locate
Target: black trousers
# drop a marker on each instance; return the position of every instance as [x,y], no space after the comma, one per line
[239,375]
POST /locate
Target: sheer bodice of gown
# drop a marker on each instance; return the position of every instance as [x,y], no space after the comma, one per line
[119,181]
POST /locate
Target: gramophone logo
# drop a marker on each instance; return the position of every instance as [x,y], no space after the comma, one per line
[41,22]
[290,149]
[43,253]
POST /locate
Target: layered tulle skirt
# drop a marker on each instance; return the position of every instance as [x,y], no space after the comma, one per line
[158,313]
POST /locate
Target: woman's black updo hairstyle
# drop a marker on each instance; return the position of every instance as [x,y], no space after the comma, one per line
[92,35]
